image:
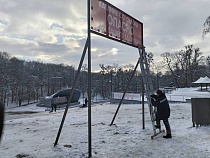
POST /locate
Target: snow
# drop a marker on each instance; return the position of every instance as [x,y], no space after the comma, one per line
[203,80]
[31,131]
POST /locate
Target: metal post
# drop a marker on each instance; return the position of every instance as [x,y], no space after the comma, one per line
[72,91]
[1,117]
[125,92]
[89,81]
[143,118]
[111,86]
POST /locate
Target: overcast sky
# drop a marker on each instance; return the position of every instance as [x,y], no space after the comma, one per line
[55,31]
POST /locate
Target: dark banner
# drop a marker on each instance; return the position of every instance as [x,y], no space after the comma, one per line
[109,21]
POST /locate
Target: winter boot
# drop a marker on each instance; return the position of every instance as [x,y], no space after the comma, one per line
[50,111]
[167,136]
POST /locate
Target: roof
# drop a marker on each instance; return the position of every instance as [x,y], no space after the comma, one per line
[203,80]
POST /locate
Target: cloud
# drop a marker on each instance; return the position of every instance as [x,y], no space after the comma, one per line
[46,38]
[112,52]
[56,31]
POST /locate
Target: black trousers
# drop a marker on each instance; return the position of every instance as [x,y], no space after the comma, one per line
[166,123]
[53,106]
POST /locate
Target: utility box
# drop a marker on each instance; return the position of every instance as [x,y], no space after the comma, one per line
[200,111]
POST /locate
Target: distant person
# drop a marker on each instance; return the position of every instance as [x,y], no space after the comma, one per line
[53,106]
[85,104]
[1,118]
[86,101]
[163,111]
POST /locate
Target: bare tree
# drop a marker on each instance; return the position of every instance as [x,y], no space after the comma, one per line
[206,25]
[184,65]
[169,59]
[4,78]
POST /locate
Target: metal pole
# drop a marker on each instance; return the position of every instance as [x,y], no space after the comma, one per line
[72,91]
[89,81]
[143,118]
[1,117]
[111,87]
[125,92]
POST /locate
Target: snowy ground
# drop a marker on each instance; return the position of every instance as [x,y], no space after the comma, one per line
[31,131]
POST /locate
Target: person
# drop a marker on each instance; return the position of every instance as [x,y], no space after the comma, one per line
[163,111]
[85,105]
[86,101]
[53,106]
[1,118]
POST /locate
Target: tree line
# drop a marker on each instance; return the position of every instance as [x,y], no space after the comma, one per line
[23,82]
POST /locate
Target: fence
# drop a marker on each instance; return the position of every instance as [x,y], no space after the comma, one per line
[136,98]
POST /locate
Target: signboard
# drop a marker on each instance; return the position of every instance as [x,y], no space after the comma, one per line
[111,22]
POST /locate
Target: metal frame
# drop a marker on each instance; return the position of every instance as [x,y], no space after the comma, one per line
[125,92]
[72,91]
[89,82]
[88,46]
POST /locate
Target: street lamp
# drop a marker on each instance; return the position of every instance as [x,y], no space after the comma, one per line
[53,84]
[112,73]
[159,75]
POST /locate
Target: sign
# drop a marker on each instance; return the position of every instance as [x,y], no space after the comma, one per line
[109,21]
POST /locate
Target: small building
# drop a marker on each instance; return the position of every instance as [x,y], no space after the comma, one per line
[203,81]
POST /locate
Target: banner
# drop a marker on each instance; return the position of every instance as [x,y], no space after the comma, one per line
[128,96]
[108,20]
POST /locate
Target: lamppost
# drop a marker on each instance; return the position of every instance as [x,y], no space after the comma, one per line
[53,84]
[177,84]
[112,73]
[159,75]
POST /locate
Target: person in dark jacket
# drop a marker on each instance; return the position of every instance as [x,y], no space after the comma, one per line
[53,105]
[163,111]
[86,102]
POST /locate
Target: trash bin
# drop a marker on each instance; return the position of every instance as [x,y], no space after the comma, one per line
[200,111]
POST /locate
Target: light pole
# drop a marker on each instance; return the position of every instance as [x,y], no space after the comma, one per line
[112,73]
[53,83]
[159,74]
